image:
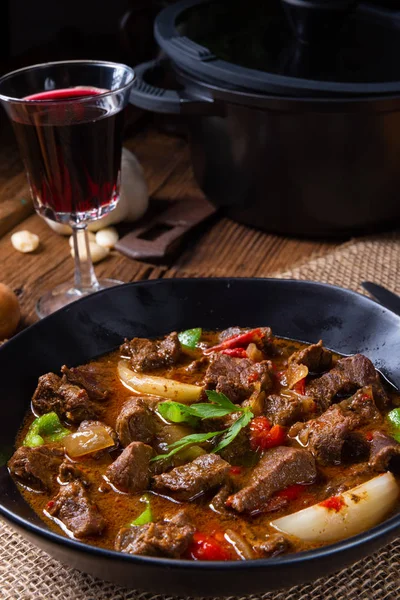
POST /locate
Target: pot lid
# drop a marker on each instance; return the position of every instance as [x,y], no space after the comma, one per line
[291,47]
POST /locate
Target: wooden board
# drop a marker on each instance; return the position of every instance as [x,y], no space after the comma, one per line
[220,247]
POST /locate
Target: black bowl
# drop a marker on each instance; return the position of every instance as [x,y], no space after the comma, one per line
[346,321]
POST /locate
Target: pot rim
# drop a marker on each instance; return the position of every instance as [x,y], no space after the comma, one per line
[196,87]
[202,63]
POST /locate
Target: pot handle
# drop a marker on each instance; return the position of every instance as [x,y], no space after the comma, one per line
[149,97]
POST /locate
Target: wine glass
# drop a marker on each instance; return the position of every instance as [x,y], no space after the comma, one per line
[68,121]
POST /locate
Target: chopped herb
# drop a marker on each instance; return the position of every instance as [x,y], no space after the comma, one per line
[219,406]
[221,400]
[188,440]
[234,430]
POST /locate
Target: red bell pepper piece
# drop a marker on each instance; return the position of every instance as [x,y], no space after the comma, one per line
[263,436]
[282,498]
[237,340]
[300,386]
[334,503]
[292,492]
[207,547]
[236,352]
[236,470]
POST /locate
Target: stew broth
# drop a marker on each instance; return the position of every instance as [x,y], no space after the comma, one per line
[241,534]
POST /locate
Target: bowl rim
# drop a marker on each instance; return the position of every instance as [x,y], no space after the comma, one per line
[381,530]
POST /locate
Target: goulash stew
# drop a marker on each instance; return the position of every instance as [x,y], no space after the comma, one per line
[215,446]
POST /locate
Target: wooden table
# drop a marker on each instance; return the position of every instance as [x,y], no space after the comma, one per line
[220,247]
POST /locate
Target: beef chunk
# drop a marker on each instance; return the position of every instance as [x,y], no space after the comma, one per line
[86,377]
[74,509]
[278,468]
[264,340]
[70,471]
[218,503]
[75,405]
[46,397]
[130,471]
[36,467]
[385,453]
[68,401]
[348,374]
[164,538]
[315,357]
[285,410]
[362,407]
[226,334]
[135,422]
[236,377]
[326,435]
[274,545]
[330,435]
[190,480]
[146,355]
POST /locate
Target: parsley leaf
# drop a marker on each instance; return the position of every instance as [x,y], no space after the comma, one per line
[223,401]
[178,413]
[234,430]
[188,440]
[219,406]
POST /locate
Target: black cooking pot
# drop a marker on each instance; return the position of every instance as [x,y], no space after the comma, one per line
[289,135]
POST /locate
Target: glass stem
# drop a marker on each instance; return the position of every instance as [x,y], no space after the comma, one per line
[85,278]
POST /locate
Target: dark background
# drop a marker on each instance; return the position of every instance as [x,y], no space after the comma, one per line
[44,30]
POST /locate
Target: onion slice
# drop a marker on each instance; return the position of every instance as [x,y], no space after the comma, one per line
[295,373]
[158,386]
[344,515]
[87,441]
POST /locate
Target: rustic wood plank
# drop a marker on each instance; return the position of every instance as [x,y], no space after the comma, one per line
[31,275]
[220,247]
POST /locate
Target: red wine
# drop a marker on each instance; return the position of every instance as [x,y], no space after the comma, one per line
[72,153]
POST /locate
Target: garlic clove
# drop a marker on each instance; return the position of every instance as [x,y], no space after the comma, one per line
[97,252]
[107,237]
[25,241]
[81,240]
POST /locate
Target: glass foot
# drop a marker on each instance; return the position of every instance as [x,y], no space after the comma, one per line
[66,293]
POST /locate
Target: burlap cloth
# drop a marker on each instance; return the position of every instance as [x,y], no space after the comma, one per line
[27,573]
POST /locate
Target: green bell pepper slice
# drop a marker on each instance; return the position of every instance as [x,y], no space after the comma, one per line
[46,428]
[191,337]
[394,420]
[146,516]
